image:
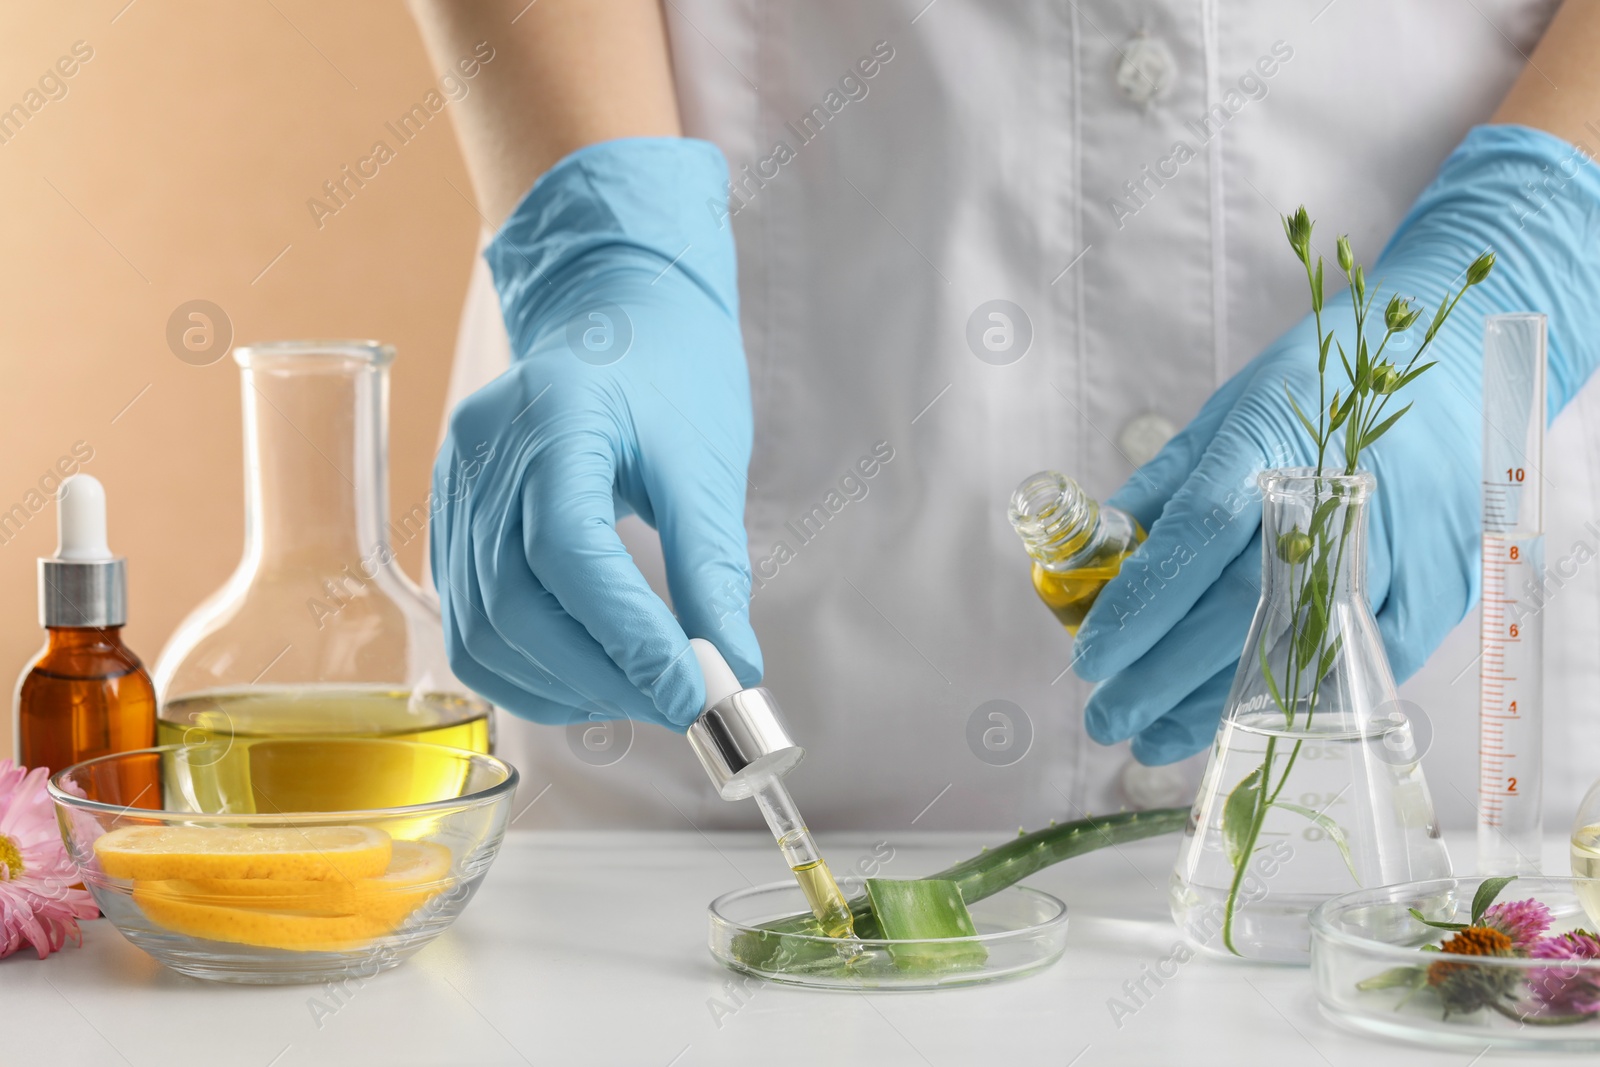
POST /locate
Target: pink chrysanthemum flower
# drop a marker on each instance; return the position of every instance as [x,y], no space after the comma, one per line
[1567,989]
[1523,921]
[37,902]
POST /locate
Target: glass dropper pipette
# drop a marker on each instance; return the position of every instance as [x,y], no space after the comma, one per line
[746,750]
[804,858]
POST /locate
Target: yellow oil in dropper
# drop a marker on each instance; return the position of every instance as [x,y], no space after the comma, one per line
[800,850]
[746,750]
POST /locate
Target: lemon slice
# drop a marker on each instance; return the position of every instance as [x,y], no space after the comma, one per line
[303,916]
[299,931]
[311,853]
[416,871]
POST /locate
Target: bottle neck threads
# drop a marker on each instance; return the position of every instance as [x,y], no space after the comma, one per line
[1053,516]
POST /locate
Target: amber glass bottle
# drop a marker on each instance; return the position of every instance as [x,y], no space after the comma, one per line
[86,694]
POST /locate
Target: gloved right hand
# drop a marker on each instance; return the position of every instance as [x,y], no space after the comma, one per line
[1164,636]
[628,392]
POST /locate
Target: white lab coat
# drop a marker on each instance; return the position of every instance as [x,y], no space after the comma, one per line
[1115,171]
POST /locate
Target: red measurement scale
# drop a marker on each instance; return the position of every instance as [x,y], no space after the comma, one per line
[1511,673]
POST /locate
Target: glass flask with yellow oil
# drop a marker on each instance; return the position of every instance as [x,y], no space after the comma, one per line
[1585,852]
[1077,543]
[318,633]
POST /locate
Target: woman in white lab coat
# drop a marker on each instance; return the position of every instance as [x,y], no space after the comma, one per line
[974,240]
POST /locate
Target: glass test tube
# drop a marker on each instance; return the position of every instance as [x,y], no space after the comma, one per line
[1511,693]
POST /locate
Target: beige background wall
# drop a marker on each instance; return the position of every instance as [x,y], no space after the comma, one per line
[176,167]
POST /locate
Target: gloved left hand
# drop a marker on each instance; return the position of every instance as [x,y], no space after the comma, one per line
[627,393]
[1164,637]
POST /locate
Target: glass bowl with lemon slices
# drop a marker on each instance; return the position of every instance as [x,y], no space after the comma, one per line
[284,860]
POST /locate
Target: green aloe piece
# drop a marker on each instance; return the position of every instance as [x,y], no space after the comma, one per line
[923,909]
[983,875]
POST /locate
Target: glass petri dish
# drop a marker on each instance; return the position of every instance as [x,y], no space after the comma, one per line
[1020,931]
[1375,973]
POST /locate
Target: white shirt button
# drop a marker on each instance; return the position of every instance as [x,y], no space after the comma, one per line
[1146,70]
[1143,437]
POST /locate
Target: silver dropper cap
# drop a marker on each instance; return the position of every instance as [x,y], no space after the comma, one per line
[83,584]
[740,736]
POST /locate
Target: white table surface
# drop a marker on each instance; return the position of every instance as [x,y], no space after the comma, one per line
[590,949]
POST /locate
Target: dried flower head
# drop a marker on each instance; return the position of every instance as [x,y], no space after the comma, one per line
[1465,986]
[1566,988]
[1523,921]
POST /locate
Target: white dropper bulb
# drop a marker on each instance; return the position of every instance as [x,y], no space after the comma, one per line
[81,520]
[721,682]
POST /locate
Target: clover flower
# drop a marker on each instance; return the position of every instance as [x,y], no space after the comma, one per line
[1465,987]
[1523,921]
[1567,989]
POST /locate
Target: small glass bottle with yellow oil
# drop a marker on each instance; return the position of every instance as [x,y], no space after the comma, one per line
[1077,543]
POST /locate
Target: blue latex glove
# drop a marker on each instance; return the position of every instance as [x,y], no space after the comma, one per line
[628,392]
[1163,639]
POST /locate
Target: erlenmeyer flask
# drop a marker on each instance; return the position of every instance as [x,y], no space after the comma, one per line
[1314,786]
[318,633]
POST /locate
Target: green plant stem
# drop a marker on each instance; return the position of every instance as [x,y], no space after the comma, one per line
[1311,699]
[1288,766]
[1417,355]
[1373,414]
[1378,355]
[1426,341]
[1258,815]
[1297,601]
[1258,819]
[1322,384]
[1300,599]
[1361,383]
